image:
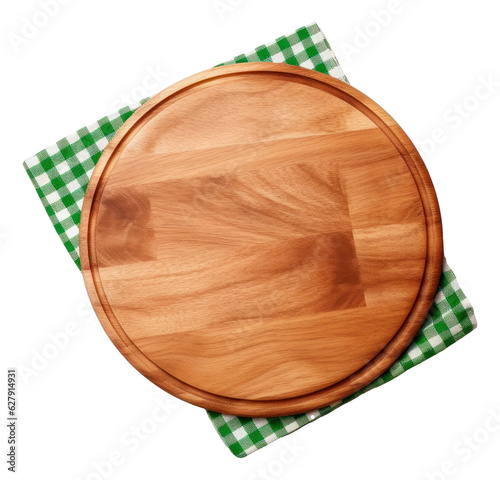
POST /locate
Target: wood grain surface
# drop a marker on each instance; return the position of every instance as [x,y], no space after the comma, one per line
[261,240]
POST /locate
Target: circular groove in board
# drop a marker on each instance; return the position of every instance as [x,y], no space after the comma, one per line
[261,240]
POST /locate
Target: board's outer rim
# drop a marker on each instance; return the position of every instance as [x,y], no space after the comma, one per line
[314,400]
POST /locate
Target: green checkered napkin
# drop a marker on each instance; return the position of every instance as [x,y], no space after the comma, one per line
[61,174]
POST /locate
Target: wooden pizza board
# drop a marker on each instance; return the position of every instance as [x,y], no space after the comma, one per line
[261,240]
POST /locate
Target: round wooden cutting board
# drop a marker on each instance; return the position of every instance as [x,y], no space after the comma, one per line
[261,240]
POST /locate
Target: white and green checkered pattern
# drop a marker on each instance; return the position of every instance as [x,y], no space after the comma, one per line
[61,174]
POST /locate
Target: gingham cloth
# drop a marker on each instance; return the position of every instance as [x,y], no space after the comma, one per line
[61,174]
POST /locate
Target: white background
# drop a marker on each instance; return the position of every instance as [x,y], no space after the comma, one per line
[427,58]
